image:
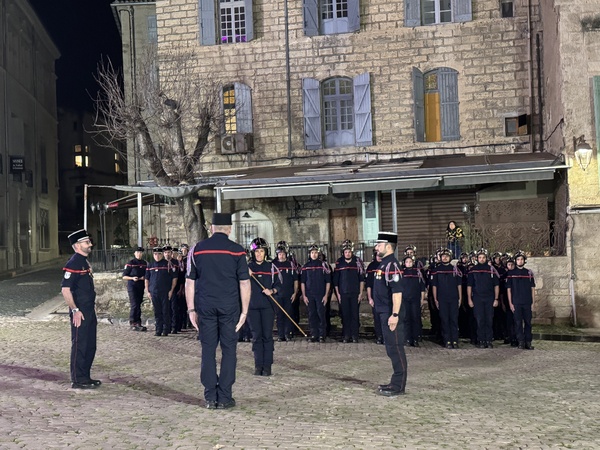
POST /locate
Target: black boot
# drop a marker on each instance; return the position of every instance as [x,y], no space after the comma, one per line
[258,371]
[266,372]
[490,344]
[521,345]
[528,346]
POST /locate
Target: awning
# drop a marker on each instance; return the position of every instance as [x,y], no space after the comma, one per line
[131,201]
[167,191]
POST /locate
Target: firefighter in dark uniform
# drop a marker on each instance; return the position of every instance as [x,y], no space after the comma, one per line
[161,279]
[447,294]
[262,309]
[173,324]
[499,322]
[463,312]
[287,296]
[315,283]
[510,319]
[217,280]
[387,294]
[369,279]
[414,291]
[135,274]
[349,283]
[180,289]
[521,294]
[483,289]
[78,291]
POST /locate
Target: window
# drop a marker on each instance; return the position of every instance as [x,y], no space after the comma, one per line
[235,22]
[337,112]
[82,158]
[117,163]
[237,109]
[517,126]
[431,12]
[3,222]
[331,16]
[436,112]
[507,8]
[152,29]
[44,228]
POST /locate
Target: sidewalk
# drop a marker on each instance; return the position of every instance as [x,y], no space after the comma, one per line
[320,396]
[57,262]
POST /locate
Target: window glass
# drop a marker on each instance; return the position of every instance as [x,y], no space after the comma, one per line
[229,109]
[233,21]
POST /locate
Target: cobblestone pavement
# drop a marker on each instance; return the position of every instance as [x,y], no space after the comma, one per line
[21,294]
[320,396]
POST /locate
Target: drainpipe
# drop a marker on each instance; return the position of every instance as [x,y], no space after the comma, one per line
[539,82]
[530,48]
[288,78]
[572,277]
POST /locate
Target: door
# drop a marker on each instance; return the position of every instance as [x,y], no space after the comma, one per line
[342,225]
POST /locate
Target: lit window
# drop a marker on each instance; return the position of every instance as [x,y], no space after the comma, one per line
[82,156]
[229,109]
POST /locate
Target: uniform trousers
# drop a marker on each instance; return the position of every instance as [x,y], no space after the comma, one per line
[449,320]
[83,344]
[261,324]
[510,324]
[377,325]
[484,315]
[136,297]
[177,307]
[394,347]
[284,326]
[217,326]
[412,321]
[162,312]
[522,321]
[350,317]
[316,316]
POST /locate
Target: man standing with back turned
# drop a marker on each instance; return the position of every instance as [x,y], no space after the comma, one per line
[217,277]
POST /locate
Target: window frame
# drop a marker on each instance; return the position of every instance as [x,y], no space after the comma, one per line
[315,24]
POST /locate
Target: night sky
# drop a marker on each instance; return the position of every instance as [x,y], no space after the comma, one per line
[84,32]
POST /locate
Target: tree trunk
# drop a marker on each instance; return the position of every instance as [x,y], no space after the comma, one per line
[193,218]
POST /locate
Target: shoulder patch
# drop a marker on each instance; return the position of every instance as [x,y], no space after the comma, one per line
[67,274]
[396,278]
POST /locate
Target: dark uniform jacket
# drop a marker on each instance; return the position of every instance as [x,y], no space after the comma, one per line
[315,275]
[520,282]
[160,275]
[289,275]
[388,281]
[413,284]
[482,279]
[78,277]
[135,268]
[446,278]
[347,276]
[270,278]
[217,265]
[370,274]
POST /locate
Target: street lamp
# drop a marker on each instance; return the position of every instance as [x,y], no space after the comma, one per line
[583,152]
[101,209]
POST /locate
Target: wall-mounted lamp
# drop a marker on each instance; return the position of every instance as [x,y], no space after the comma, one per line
[583,152]
[246,215]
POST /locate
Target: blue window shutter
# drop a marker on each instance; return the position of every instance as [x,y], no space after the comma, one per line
[243,108]
[596,87]
[208,35]
[311,17]
[312,114]
[419,104]
[353,15]
[249,20]
[462,10]
[362,110]
[448,87]
[412,13]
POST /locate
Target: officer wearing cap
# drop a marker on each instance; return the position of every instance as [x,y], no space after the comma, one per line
[182,320]
[447,294]
[510,319]
[169,253]
[369,280]
[135,274]
[349,283]
[521,293]
[289,288]
[413,293]
[387,295]
[161,279]
[483,290]
[79,294]
[315,283]
[217,279]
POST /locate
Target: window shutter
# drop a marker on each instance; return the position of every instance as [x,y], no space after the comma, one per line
[419,104]
[462,10]
[221,100]
[249,20]
[362,110]
[243,108]
[448,87]
[412,13]
[596,87]
[208,35]
[312,114]
[311,17]
[353,15]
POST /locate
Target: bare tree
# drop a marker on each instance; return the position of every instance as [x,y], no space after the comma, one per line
[170,119]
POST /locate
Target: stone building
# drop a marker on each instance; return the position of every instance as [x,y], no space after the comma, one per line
[28,139]
[571,55]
